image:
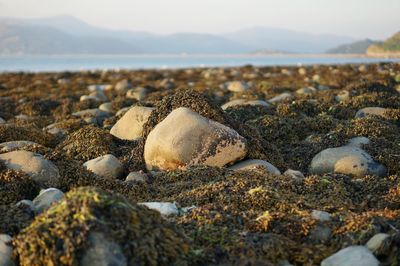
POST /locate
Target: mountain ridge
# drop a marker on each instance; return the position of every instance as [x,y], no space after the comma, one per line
[77,36]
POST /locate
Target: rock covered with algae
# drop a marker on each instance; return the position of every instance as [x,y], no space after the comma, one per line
[247,217]
[64,234]
[185,138]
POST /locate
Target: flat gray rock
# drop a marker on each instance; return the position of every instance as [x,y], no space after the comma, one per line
[378,111]
[351,256]
[306,91]
[346,160]
[33,164]
[15,145]
[280,97]
[95,112]
[241,102]
[254,165]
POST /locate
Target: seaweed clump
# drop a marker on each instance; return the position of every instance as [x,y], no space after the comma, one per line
[38,107]
[234,207]
[14,218]
[16,186]
[87,143]
[31,133]
[199,103]
[60,236]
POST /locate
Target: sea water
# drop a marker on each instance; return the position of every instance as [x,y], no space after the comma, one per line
[97,62]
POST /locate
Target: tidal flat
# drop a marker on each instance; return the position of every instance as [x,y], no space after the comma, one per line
[201,166]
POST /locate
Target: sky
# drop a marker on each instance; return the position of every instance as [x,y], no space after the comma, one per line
[376,19]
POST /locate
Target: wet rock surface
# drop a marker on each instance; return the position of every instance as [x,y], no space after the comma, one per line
[316,211]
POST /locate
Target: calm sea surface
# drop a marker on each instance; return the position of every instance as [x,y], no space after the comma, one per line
[75,63]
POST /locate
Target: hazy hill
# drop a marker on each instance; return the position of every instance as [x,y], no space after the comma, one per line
[264,38]
[389,46]
[25,39]
[358,47]
[68,35]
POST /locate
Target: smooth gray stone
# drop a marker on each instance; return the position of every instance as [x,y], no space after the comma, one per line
[351,256]
[346,160]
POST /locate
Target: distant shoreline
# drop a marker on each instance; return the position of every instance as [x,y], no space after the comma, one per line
[288,55]
[57,63]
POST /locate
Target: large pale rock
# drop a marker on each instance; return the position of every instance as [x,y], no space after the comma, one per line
[351,256]
[45,198]
[15,145]
[185,138]
[2,121]
[33,164]
[254,165]
[130,126]
[346,160]
[378,111]
[102,252]
[106,166]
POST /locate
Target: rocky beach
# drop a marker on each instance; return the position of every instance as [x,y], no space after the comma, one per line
[201,166]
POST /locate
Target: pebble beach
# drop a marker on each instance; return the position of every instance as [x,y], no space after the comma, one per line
[244,165]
